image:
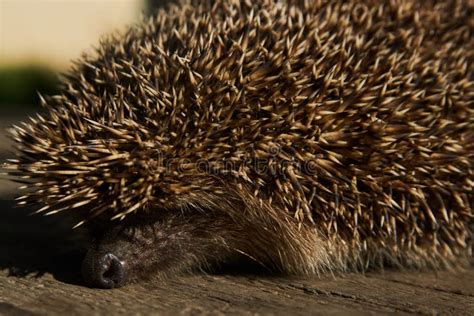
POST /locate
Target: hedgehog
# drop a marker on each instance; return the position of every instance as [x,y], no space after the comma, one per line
[303,137]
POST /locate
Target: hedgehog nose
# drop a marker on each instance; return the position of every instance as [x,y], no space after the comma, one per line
[103,271]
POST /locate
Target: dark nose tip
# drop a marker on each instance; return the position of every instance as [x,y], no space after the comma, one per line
[103,271]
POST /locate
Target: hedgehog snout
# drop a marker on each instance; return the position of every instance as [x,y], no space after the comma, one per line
[103,270]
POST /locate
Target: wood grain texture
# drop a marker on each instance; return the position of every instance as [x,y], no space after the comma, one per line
[40,263]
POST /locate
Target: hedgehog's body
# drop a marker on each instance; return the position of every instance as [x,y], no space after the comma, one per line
[303,136]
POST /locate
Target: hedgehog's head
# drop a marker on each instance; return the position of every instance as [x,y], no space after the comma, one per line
[207,230]
[200,230]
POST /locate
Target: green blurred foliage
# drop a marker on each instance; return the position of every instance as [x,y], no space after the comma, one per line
[19,85]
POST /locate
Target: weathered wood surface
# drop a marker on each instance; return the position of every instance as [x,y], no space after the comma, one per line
[39,275]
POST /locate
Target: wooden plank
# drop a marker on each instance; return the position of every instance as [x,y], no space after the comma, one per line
[187,295]
[226,294]
[378,289]
[455,282]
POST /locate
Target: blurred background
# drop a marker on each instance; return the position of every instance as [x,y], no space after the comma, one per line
[39,39]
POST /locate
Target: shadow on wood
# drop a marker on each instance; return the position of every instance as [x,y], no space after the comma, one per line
[35,244]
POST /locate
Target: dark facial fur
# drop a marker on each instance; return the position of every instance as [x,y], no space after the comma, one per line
[335,135]
[171,244]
